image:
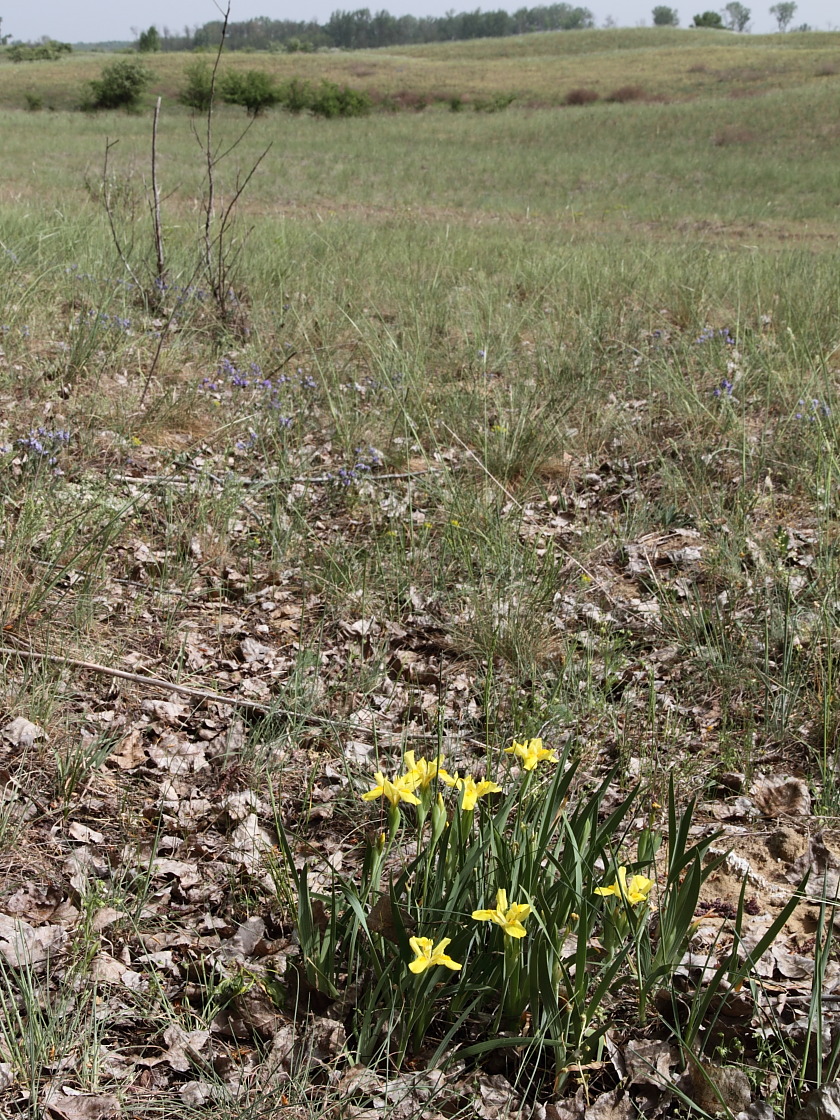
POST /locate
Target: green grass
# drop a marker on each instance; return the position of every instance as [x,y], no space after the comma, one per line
[668,64]
[518,319]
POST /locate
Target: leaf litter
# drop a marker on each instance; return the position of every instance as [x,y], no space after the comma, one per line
[172,825]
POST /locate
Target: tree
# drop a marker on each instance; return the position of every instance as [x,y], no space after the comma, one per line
[708,19]
[255,90]
[119,85]
[665,17]
[784,13]
[737,16]
[198,92]
[149,40]
[3,38]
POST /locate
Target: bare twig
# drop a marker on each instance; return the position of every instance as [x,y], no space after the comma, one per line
[106,201]
[196,693]
[156,200]
[210,200]
[136,678]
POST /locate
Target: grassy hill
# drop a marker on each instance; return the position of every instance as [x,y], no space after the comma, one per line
[661,63]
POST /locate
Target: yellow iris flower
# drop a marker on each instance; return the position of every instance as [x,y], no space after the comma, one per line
[473,790]
[510,918]
[425,772]
[531,752]
[636,891]
[400,789]
[427,954]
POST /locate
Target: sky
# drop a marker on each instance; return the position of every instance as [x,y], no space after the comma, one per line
[103,20]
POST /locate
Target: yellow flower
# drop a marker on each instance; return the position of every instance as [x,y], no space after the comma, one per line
[473,790]
[510,918]
[531,752]
[396,791]
[424,772]
[634,892]
[428,954]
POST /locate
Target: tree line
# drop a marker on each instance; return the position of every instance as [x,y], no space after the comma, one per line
[365,29]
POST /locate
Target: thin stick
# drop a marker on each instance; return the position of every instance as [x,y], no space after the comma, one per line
[187,690]
[106,201]
[156,199]
[138,678]
[210,199]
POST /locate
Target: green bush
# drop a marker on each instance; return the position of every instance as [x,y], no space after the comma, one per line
[34,102]
[255,90]
[709,19]
[197,93]
[494,104]
[296,95]
[293,46]
[119,86]
[331,100]
[48,51]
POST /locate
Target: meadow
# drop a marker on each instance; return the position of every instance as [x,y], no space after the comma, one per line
[487,448]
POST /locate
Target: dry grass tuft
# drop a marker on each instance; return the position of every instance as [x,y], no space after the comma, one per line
[627,93]
[581,97]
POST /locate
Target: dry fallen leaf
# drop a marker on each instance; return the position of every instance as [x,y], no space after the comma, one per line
[22,945]
[184,1047]
[22,732]
[822,1103]
[777,797]
[65,1105]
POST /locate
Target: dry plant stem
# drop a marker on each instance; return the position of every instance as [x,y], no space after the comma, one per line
[10,780]
[188,690]
[156,198]
[162,333]
[209,202]
[492,477]
[571,559]
[138,678]
[106,200]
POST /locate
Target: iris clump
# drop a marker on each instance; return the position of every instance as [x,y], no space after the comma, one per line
[536,843]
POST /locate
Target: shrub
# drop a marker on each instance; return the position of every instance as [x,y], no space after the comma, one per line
[296,95]
[255,90]
[197,92]
[34,102]
[406,99]
[119,86]
[665,17]
[331,100]
[48,51]
[627,93]
[709,19]
[581,96]
[494,104]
